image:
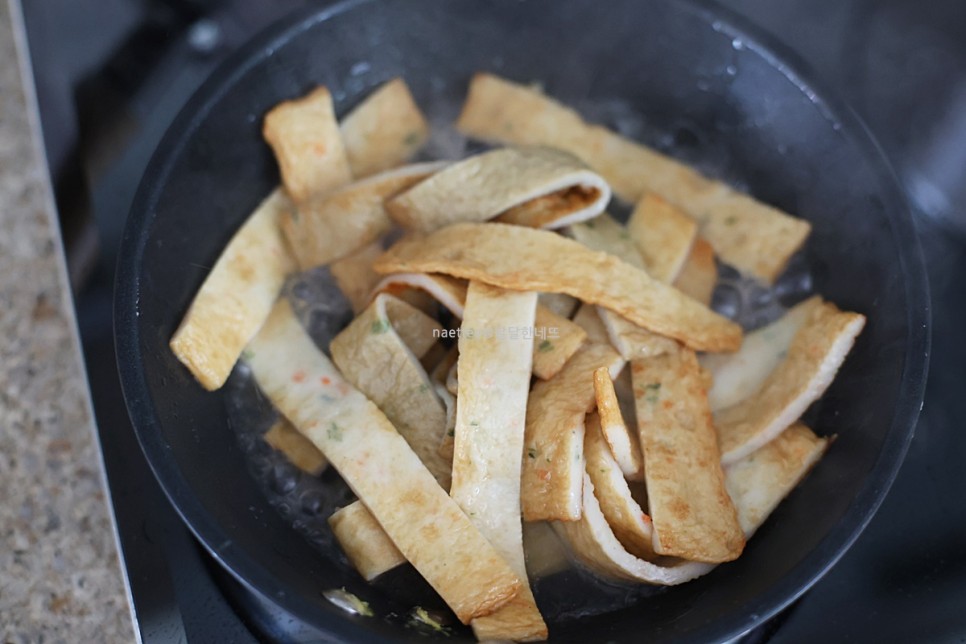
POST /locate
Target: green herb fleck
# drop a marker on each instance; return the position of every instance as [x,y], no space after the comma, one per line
[347,601]
[421,617]
[475,423]
[423,388]
[451,432]
[247,354]
[624,235]
[532,452]
[362,607]
[411,139]
[590,224]
[379,326]
[545,346]
[731,220]
[653,386]
[334,432]
[651,392]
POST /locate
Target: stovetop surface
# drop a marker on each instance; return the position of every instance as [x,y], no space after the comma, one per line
[112,75]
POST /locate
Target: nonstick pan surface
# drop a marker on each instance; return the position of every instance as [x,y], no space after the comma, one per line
[710,90]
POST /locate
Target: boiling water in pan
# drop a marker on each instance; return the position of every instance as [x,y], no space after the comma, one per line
[563,590]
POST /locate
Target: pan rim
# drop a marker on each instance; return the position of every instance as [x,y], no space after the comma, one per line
[258,579]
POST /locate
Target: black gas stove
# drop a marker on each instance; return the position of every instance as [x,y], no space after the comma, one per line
[112,75]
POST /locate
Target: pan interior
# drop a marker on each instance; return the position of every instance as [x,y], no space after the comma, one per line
[679,78]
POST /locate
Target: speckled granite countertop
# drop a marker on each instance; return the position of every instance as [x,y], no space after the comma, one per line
[60,579]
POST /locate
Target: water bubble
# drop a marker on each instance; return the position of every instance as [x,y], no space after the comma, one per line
[752,305]
[312,502]
[284,508]
[360,68]
[737,44]
[726,301]
[796,282]
[301,290]
[284,480]
[731,70]
[204,36]
[761,297]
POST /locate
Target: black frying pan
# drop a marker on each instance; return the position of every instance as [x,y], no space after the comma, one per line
[711,90]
